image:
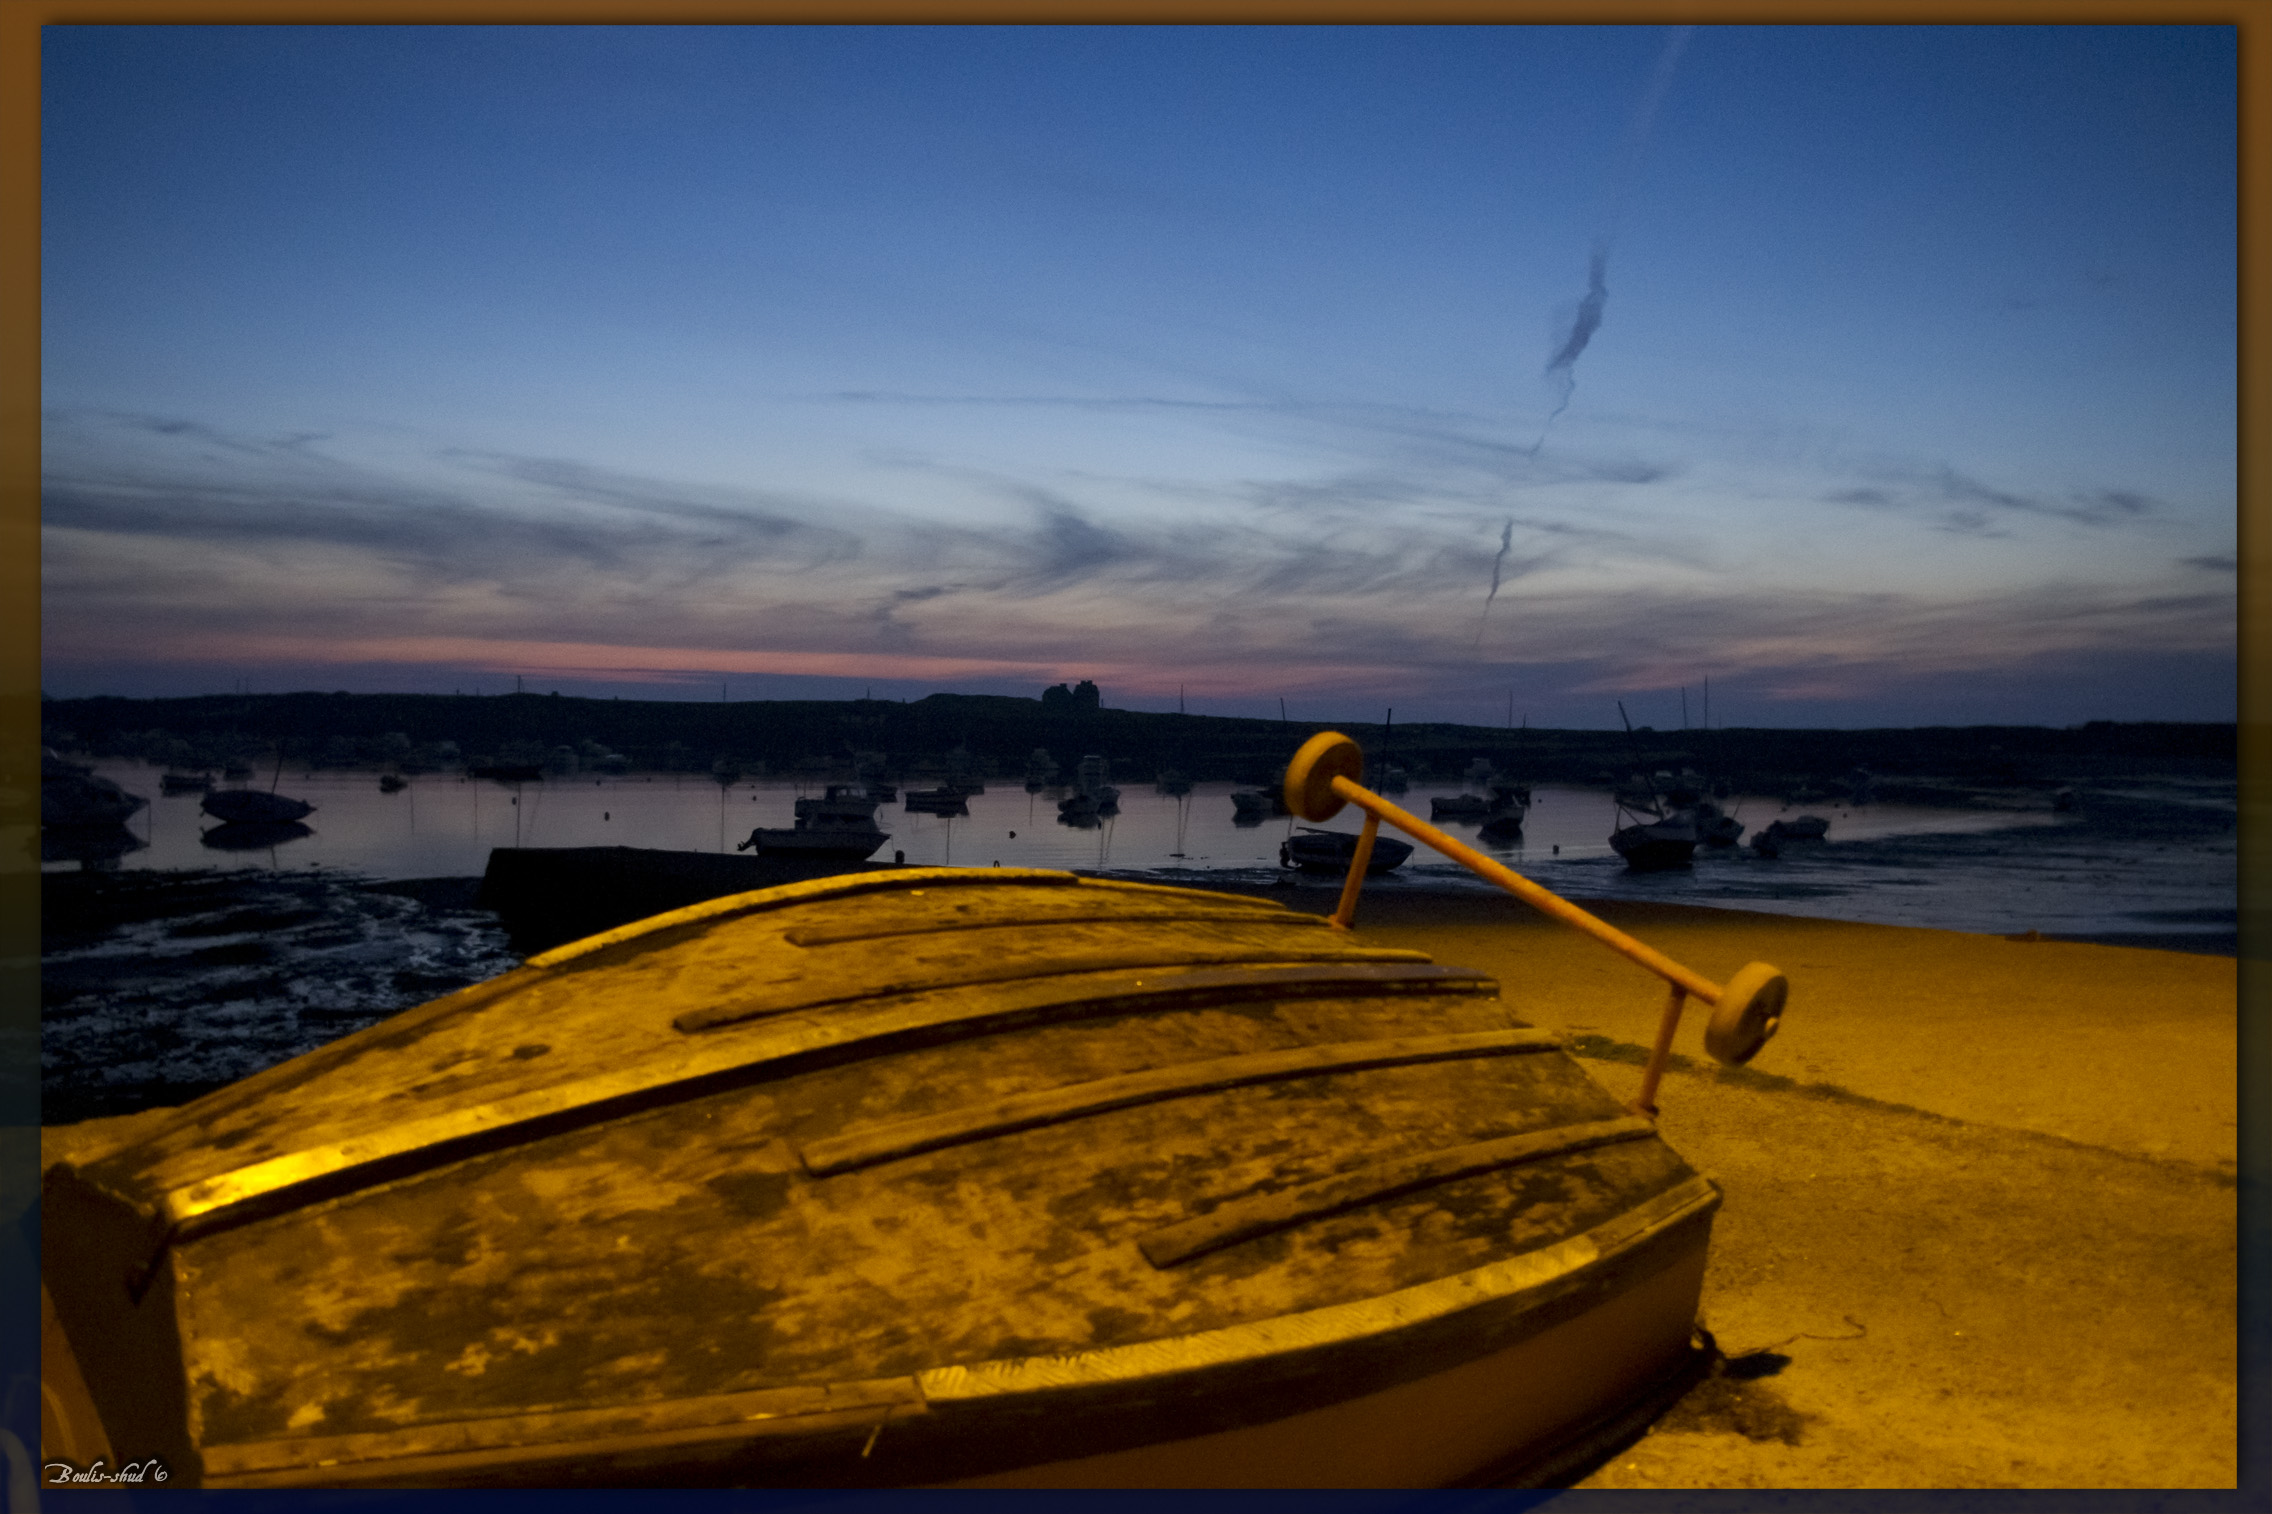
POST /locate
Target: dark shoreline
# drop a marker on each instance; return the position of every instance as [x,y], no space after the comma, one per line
[994,734]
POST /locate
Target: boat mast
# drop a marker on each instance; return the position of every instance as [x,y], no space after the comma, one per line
[1641,767]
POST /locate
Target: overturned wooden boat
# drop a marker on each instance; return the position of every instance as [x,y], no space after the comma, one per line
[918,1176]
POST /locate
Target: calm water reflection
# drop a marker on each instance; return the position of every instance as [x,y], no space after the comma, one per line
[2155,858]
[446,825]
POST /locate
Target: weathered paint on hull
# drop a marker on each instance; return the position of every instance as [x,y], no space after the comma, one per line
[913,1177]
[1492,1415]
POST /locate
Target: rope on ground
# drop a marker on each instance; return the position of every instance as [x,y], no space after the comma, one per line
[1860,1331]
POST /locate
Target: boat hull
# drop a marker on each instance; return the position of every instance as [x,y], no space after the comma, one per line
[1656,846]
[1445,1412]
[254,807]
[917,1176]
[1334,853]
[1496,1416]
[833,843]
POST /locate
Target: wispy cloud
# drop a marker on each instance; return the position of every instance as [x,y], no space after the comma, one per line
[218,546]
[1965,505]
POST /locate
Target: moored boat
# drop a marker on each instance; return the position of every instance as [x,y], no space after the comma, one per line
[837,843]
[73,795]
[1321,851]
[254,807]
[1086,805]
[93,847]
[1651,831]
[1715,826]
[184,783]
[1506,801]
[251,835]
[838,804]
[840,825]
[1653,844]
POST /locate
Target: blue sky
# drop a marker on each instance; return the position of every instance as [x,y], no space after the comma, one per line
[1201,360]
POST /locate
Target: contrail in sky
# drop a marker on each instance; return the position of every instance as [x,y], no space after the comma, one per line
[1506,541]
[1561,369]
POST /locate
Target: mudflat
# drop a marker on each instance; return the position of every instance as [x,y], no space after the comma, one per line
[1981,1218]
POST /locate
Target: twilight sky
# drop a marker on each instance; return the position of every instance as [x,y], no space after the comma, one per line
[1895,366]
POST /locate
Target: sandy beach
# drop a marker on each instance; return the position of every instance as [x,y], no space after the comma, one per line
[1980,1218]
[1980,1226]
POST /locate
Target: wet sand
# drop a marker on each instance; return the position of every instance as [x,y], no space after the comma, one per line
[1980,1225]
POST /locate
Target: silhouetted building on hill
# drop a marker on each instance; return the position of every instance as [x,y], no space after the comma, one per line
[1059,699]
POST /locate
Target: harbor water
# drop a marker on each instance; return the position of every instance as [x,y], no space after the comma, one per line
[2147,857]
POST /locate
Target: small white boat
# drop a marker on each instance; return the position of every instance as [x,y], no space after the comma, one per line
[840,825]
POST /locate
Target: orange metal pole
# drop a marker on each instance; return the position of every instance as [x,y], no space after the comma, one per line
[1645,1102]
[1545,901]
[1363,859]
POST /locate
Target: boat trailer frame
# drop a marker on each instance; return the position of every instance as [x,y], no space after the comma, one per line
[1747,1009]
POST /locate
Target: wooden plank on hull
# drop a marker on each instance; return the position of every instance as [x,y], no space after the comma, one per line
[1244,1219]
[312,1174]
[860,1148]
